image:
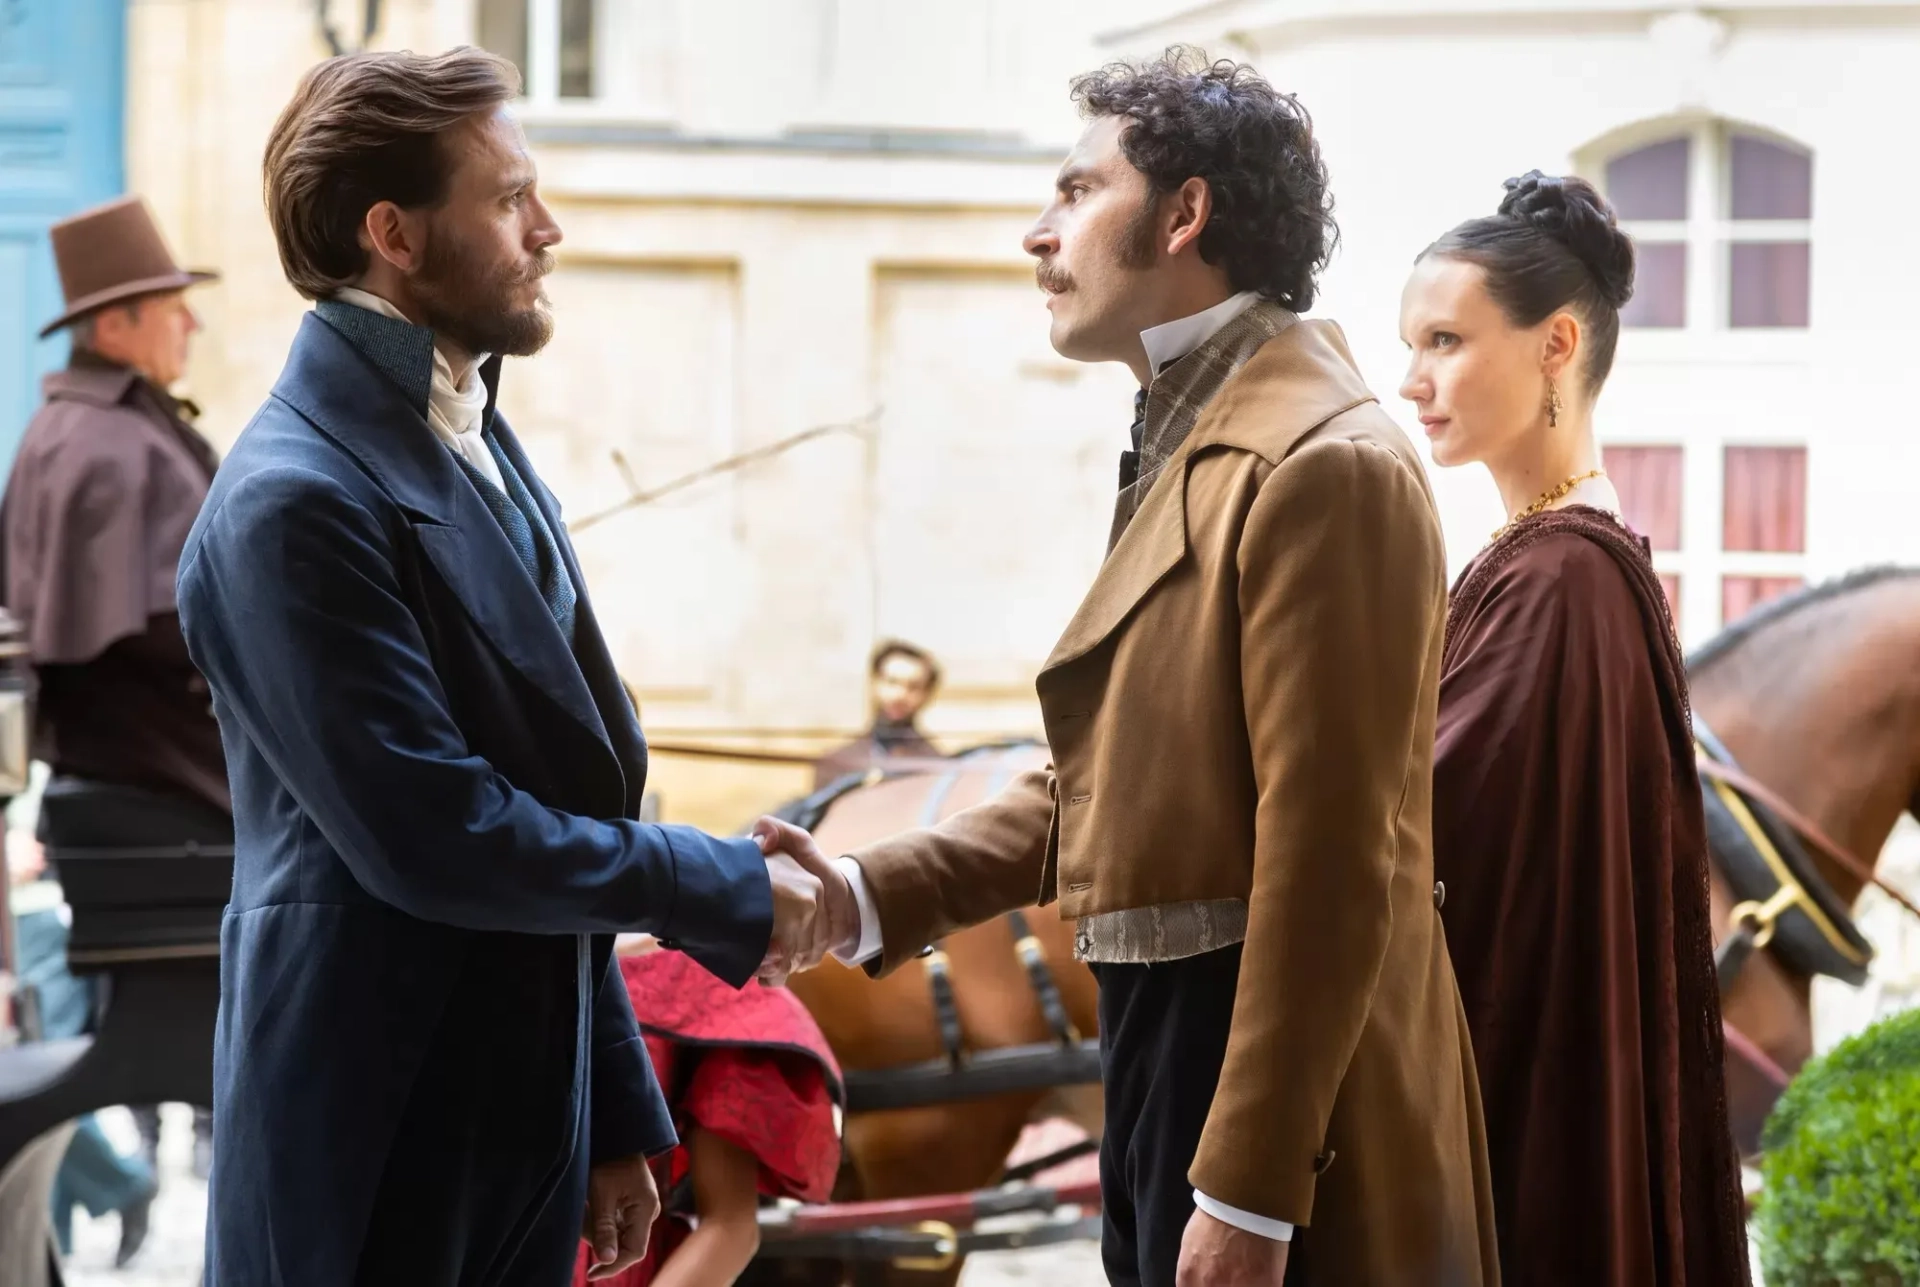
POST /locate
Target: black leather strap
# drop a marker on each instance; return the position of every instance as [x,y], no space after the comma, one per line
[985,1073]
[1798,940]
[1732,955]
[945,1012]
[1034,957]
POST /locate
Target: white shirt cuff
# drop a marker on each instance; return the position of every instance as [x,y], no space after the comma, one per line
[859,948]
[1278,1230]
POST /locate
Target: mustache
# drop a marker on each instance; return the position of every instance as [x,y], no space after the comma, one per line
[1051,277]
[542,265]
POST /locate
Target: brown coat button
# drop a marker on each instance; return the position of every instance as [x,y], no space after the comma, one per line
[1322,1161]
[1439,894]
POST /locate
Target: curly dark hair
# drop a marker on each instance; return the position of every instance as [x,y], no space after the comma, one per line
[1272,225]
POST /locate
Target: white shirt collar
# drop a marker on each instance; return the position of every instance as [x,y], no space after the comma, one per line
[1168,342]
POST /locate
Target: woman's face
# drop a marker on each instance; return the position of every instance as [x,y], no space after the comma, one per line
[1478,382]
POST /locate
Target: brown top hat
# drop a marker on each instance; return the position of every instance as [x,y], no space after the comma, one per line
[112,253]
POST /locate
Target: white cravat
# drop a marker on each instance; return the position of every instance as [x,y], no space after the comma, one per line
[1165,345]
[456,400]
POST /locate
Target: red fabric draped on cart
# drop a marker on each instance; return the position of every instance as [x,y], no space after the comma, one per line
[749,1066]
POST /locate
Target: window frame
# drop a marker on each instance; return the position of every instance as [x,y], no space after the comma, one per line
[623,91]
[1707,232]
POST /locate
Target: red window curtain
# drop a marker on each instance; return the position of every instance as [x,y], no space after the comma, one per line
[1765,506]
[1740,595]
[1648,480]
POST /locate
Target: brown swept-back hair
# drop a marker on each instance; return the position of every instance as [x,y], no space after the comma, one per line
[363,129]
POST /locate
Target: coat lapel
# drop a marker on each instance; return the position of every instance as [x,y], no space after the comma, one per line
[1297,380]
[1152,546]
[621,725]
[349,399]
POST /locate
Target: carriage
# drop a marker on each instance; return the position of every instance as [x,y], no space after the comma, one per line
[1809,738]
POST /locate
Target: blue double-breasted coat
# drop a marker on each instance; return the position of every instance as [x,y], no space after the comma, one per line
[421,1047]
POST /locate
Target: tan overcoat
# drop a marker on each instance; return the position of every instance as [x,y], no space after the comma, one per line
[1243,707]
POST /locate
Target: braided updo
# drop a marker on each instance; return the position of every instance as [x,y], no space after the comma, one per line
[1553,245]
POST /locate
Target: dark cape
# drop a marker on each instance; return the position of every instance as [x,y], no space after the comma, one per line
[107,482]
[1569,835]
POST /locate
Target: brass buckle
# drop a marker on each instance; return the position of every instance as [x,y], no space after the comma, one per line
[946,1247]
[1763,918]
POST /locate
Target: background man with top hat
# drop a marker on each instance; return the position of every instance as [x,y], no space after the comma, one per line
[108,480]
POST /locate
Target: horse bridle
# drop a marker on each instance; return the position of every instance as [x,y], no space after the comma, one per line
[1032,954]
[1808,830]
[1763,845]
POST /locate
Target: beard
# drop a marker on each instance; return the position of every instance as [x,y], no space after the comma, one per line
[470,301]
[1139,240]
[1136,249]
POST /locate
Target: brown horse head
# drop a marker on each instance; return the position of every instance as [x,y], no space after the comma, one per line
[1817,695]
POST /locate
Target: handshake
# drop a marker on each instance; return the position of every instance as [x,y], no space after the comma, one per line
[814,908]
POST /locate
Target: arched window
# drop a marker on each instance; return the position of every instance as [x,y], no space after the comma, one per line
[1722,220]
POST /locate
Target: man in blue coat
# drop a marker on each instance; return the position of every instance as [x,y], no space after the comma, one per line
[425,1071]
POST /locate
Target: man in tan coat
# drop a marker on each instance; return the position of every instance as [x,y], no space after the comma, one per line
[1241,715]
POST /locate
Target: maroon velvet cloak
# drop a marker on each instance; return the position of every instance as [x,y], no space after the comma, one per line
[1568,832]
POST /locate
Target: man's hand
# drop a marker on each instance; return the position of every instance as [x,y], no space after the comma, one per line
[1215,1254]
[621,1205]
[792,855]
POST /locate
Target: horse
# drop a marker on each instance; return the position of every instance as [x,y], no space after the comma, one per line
[1808,711]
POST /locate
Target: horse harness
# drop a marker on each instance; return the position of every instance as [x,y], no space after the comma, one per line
[1067,1059]
[1785,904]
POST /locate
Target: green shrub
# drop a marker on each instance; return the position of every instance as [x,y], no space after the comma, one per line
[1840,1206]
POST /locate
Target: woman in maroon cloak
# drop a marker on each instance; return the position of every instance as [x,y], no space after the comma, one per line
[1568,831]
[753,1089]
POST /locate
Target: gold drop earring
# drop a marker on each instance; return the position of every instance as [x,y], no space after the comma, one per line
[1553,404]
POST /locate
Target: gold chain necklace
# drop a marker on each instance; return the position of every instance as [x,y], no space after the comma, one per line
[1546,498]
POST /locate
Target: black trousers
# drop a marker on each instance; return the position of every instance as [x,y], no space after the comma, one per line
[1163,1038]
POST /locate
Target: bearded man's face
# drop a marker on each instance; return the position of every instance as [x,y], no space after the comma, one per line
[480,278]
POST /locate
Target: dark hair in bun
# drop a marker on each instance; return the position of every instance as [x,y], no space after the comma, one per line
[1553,245]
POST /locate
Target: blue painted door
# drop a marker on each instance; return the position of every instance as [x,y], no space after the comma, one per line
[62,95]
